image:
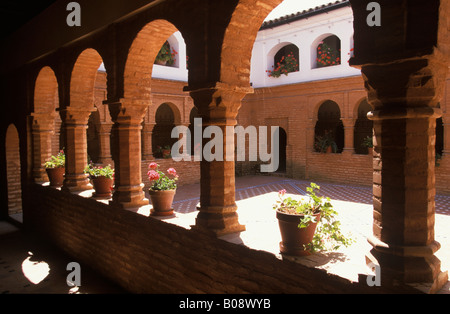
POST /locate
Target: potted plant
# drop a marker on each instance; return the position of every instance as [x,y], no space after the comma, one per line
[166,55]
[162,190]
[325,143]
[102,179]
[286,65]
[55,168]
[368,142]
[309,224]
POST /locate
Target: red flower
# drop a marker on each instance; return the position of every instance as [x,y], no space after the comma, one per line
[281,192]
[172,171]
[153,175]
[153,165]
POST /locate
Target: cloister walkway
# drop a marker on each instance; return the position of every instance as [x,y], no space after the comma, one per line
[255,196]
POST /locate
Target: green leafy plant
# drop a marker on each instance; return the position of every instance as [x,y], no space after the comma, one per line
[367,142]
[285,66]
[56,161]
[166,54]
[323,142]
[99,171]
[328,235]
[327,56]
[159,180]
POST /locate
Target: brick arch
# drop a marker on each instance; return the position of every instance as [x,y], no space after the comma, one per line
[142,53]
[356,106]
[239,38]
[46,91]
[315,109]
[82,81]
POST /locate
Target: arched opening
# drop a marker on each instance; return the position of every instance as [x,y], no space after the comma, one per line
[363,129]
[46,125]
[77,116]
[141,56]
[327,52]
[161,136]
[285,61]
[329,129]
[13,172]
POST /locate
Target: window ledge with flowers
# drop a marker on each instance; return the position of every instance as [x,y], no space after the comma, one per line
[166,55]
[327,56]
[286,65]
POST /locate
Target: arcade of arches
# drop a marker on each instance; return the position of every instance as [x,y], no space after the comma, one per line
[123,116]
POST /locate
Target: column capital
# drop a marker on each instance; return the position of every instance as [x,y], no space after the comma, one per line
[75,115]
[128,110]
[218,102]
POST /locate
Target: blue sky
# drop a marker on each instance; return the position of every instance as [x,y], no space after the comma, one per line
[294,6]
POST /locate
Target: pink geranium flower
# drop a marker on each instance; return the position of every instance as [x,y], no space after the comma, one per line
[153,175]
[153,165]
[172,171]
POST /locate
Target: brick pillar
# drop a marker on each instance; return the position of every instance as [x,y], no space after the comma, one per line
[349,130]
[218,106]
[446,125]
[147,131]
[42,131]
[128,189]
[404,100]
[75,125]
[104,137]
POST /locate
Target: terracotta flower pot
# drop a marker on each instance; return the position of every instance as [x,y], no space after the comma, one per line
[294,238]
[162,202]
[56,176]
[102,186]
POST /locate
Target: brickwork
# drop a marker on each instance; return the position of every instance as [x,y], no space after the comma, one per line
[145,255]
[13,170]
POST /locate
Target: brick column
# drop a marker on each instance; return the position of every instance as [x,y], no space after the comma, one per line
[349,130]
[128,189]
[42,131]
[218,106]
[446,125]
[404,116]
[75,125]
[104,137]
[147,131]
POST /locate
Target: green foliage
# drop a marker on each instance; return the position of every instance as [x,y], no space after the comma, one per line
[166,53]
[327,56]
[99,171]
[56,161]
[286,65]
[328,235]
[367,142]
[323,142]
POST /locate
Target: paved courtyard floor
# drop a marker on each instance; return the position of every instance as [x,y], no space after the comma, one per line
[255,196]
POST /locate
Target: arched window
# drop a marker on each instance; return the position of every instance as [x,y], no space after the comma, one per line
[363,128]
[328,52]
[161,136]
[285,61]
[329,130]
